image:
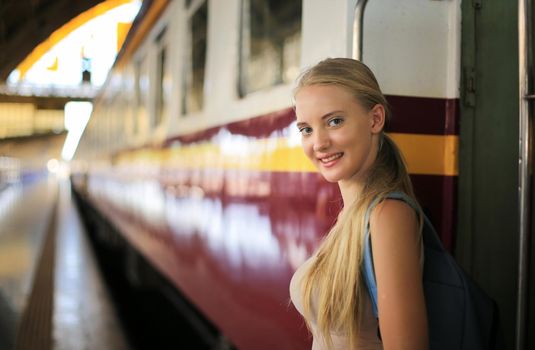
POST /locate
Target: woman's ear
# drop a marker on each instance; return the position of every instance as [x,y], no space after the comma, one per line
[377,114]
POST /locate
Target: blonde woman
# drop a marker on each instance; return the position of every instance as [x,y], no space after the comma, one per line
[341,114]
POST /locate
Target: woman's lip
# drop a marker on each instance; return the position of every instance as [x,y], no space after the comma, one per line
[335,157]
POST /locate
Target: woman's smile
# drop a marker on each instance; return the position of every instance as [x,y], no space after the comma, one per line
[330,160]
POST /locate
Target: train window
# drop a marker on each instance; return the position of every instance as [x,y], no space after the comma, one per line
[270,43]
[142,94]
[195,61]
[137,98]
[162,79]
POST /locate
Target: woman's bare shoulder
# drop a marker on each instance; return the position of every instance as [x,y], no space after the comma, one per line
[393,214]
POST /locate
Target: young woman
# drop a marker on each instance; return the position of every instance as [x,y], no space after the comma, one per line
[341,114]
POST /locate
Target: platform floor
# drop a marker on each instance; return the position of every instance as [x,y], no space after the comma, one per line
[81,314]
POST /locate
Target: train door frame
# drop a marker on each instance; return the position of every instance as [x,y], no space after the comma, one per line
[525,164]
[489,204]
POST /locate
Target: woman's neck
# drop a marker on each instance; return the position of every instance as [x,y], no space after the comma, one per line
[350,191]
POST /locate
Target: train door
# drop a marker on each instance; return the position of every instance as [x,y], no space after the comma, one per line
[487,243]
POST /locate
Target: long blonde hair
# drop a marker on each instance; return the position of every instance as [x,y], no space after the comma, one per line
[332,289]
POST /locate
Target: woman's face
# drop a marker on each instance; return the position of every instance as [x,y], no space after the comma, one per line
[339,135]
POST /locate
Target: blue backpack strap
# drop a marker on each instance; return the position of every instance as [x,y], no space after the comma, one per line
[368,269]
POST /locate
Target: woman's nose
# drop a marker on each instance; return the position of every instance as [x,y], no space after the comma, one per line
[321,141]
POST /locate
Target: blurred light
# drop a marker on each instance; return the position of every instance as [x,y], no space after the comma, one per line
[14,76]
[52,165]
[294,138]
[76,117]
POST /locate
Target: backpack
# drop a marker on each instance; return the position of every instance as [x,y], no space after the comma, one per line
[459,314]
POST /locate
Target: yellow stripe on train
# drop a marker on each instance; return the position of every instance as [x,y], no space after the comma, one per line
[425,155]
[429,154]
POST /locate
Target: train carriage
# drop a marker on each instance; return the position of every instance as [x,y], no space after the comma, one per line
[193,154]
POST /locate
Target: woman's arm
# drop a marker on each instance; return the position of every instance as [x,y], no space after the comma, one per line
[396,258]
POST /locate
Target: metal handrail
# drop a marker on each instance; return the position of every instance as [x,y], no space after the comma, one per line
[524,162]
[358,29]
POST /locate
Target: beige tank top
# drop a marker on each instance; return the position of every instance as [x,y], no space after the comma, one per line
[367,339]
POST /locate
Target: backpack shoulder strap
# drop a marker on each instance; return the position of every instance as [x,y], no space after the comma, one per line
[368,269]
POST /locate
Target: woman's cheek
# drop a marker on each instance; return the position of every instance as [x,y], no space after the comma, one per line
[309,152]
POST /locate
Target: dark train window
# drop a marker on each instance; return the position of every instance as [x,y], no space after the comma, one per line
[195,61]
[270,43]
[162,81]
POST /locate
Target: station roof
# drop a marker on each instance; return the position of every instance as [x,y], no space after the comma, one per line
[24,24]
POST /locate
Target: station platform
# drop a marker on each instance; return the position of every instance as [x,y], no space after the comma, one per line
[52,294]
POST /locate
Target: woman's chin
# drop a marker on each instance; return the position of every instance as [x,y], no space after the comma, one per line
[330,178]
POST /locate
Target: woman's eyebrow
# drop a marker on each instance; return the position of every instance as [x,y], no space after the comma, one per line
[330,114]
[327,115]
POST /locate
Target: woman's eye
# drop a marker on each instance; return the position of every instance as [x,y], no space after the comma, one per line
[305,130]
[335,121]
